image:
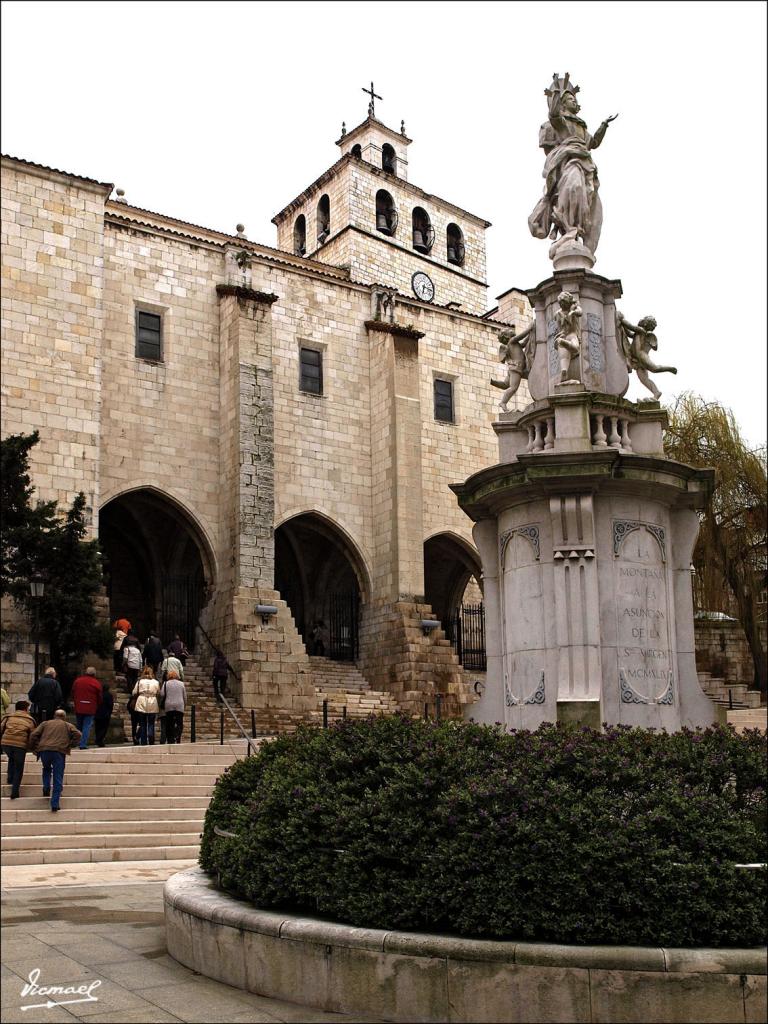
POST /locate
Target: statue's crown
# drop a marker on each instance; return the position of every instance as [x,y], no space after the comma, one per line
[560,86]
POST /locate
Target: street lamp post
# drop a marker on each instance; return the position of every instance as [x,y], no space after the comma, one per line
[37,589]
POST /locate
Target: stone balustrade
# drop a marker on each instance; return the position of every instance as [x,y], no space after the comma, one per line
[541,434]
[609,430]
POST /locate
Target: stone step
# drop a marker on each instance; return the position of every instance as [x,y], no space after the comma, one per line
[140,768]
[750,718]
[90,855]
[95,826]
[95,802]
[49,840]
[120,787]
[13,815]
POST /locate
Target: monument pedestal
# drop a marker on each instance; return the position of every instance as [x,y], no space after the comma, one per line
[586,533]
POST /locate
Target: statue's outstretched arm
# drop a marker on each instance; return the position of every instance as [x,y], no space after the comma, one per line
[599,135]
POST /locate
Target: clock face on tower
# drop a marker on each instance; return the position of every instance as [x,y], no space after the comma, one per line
[422,285]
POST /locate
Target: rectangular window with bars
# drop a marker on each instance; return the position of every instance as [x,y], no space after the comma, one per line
[149,335]
[311,371]
[444,400]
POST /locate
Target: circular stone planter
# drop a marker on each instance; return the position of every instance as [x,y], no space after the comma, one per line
[407,976]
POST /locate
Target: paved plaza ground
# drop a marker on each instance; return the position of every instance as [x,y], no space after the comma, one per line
[113,932]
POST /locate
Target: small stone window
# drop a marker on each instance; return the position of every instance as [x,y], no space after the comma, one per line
[149,335]
[388,159]
[357,151]
[323,219]
[455,245]
[300,235]
[423,232]
[386,214]
[443,400]
[311,371]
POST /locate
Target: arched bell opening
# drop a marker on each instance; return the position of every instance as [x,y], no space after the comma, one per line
[159,568]
[386,214]
[453,588]
[455,245]
[423,232]
[323,219]
[321,576]
[300,235]
[388,159]
[357,151]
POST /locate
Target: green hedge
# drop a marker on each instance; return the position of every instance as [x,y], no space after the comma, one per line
[561,835]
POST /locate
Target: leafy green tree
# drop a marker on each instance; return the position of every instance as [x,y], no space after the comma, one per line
[731,550]
[23,524]
[40,541]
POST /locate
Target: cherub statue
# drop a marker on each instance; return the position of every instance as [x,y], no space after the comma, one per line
[636,341]
[516,352]
[568,337]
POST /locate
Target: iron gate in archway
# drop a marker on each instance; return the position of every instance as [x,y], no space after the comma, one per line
[181,601]
[344,627]
[466,631]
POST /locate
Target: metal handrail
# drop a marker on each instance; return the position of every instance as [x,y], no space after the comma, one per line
[252,745]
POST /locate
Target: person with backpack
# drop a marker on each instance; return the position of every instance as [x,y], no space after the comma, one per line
[220,669]
[132,660]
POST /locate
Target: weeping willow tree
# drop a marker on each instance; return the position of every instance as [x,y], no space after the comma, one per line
[732,547]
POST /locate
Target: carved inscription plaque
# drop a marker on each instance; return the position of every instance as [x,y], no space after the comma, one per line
[643,614]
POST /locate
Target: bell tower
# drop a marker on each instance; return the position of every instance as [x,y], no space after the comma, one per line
[364,215]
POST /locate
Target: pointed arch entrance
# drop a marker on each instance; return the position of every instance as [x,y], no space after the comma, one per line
[452,587]
[322,577]
[159,564]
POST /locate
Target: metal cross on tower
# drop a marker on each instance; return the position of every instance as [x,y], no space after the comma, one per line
[374,97]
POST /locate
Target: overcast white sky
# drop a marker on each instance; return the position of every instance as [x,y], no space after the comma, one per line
[224,112]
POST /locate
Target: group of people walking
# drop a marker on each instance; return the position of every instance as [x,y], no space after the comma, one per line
[155,675]
[51,741]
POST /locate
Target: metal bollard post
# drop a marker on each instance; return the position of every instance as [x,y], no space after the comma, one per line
[325,714]
[438,701]
[253,723]
[426,712]
[221,728]
[344,711]
[730,699]
[192,725]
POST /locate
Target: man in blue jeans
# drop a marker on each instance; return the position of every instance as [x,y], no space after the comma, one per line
[52,741]
[87,695]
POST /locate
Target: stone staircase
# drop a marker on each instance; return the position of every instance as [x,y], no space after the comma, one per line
[207,712]
[717,689]
[340,683]
[749,718]
[120,803]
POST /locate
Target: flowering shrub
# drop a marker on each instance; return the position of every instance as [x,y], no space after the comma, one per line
[628,836]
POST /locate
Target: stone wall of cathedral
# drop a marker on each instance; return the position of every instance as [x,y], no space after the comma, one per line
[53,310]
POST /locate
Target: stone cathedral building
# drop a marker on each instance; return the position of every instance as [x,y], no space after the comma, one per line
[264,426]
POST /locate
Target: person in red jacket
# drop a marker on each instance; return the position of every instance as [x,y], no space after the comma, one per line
[87,695]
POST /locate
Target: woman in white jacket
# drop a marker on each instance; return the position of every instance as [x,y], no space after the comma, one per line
[145,691]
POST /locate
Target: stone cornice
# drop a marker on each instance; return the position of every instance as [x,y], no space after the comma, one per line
[264,298]
[379,237]
[530,476]
[102,188]
[399,330]
[374,122]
